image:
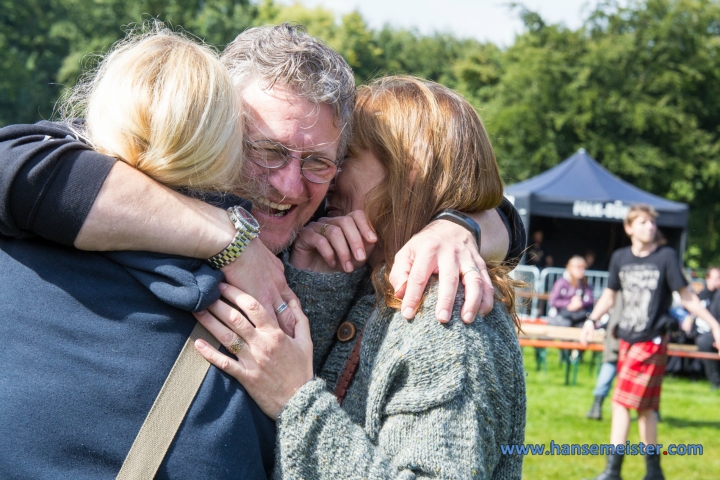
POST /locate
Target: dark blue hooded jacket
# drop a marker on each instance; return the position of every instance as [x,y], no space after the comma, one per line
[89,339]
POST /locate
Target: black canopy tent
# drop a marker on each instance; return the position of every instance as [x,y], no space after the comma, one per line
[580,207]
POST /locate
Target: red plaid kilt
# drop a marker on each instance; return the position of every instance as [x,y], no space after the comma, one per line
[640,371]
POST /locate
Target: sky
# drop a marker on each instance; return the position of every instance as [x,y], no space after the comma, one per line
[485,20]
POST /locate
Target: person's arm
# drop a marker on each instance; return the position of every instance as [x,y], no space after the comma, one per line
[133,212]
[54,186]
[691,303]
[325,297]
[606,300]
[450,251]
[48,181]
[603,305]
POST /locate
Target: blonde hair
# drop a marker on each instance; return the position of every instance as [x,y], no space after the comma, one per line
[576,257]
[164,104]
[436,155]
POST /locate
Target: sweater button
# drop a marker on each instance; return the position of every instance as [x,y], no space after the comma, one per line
[346,332]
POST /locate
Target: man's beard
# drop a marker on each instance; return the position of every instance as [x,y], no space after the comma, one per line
[291,239]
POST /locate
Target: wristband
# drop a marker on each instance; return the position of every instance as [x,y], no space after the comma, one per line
[247,230]
[460,219]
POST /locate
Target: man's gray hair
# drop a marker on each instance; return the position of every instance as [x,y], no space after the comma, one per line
[287,55]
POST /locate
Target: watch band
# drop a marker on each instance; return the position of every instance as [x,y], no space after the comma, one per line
[247,230]
[463,220]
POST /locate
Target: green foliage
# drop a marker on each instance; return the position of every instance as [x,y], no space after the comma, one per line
[637,86]
[44,44]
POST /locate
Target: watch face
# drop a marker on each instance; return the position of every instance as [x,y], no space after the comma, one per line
[246,218]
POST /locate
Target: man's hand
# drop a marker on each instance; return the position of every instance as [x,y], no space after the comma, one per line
[588,330]
[449,251]
[261,275]
[602,306]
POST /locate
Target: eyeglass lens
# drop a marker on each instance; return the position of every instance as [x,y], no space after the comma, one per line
[269,154]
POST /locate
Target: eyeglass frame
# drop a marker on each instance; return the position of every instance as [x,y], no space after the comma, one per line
[251,145]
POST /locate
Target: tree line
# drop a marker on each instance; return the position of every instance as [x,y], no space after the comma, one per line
[637,85]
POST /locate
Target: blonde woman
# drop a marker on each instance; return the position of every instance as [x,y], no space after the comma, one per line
[394,399]
[165,105]
[92,336]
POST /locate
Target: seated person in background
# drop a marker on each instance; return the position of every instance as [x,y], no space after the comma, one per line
[710,297]
[696,330]
[712,283]
[571,295]
[590,258]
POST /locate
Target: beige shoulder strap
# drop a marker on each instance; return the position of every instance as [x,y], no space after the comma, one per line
[167,413]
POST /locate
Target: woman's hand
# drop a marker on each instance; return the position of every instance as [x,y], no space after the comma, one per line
[576,303]
[270,365]
[334,244]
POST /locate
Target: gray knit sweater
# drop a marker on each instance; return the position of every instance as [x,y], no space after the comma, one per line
[428,399]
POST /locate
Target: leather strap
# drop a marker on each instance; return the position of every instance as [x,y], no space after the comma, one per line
[167,413]
[349,371]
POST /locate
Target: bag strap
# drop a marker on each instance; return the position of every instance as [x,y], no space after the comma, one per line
[167,413]
[349,371]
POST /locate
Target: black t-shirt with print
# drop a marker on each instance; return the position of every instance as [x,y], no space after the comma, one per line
[647,284]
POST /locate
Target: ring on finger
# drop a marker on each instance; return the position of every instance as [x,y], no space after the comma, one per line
[236,345]
[468,270]
[281,308]
[323,229]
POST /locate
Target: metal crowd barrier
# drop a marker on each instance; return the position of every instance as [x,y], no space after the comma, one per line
[541,282]
[527,306]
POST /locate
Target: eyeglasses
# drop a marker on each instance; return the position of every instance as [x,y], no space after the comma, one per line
[273,155]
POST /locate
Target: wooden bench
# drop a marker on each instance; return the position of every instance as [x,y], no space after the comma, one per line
[539,335]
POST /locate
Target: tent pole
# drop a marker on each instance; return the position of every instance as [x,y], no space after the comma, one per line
[683,245]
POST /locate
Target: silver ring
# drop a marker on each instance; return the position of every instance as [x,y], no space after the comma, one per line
[236,346]
[470,269]
[281,308]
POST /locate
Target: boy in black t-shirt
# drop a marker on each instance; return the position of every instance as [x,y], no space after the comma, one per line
[647,274]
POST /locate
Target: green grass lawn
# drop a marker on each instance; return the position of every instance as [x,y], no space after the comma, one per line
[690,414]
